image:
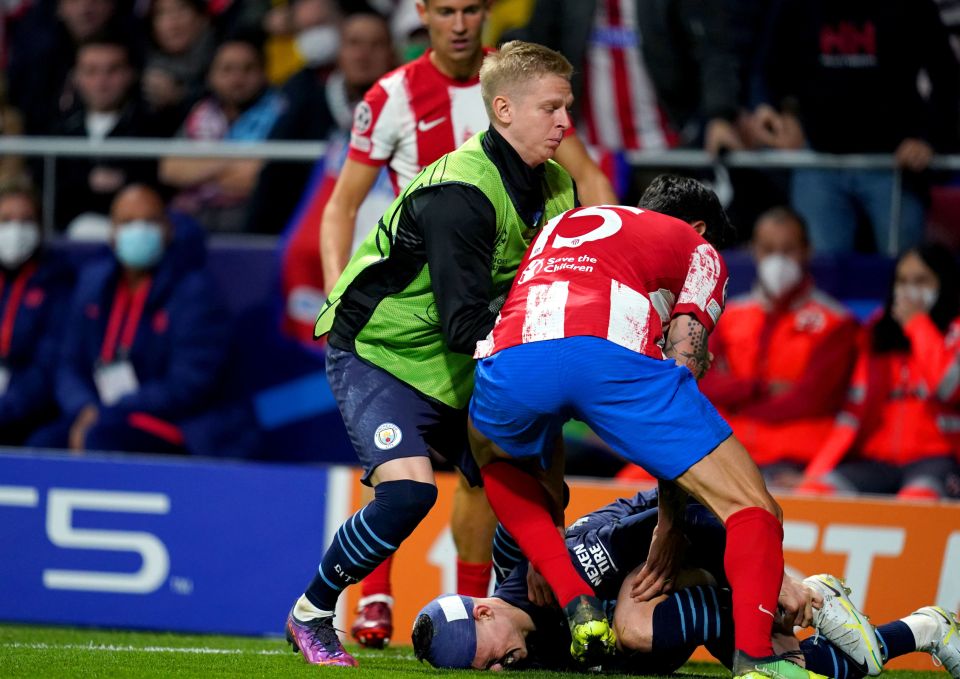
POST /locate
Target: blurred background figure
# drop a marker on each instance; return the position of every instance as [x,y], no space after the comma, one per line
[240,107]
[148,342]
[181,44]
[107,106]
[43,51]
[35,287]
[316,31]
[898,429]
[842,77]
[12,169]
[506,16]
[301,33]
[648,75]
[319,105]
[783,352]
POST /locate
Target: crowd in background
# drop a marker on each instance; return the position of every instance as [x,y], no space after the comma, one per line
[846,77]
[842,78]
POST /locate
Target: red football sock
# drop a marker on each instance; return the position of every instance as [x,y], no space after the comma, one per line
[378,582]
[753,562]
[521,504]
[473,579]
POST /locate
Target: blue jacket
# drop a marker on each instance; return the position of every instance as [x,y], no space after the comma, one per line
[29,398]
[179,352]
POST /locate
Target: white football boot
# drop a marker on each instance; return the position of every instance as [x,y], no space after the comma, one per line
[945,646]
[839,621]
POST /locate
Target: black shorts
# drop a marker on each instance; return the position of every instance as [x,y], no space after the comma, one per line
[388,419]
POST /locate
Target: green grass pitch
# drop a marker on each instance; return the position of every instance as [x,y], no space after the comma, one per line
[33,651]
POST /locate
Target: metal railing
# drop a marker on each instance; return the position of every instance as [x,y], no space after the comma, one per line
[51,148]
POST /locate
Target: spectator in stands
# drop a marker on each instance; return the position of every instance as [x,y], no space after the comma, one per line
[898,430]
[783,354]
[648,75]
[107,107]
[34,291]
[12,169]
[148,332]
[319,105]
[42,55]
[240,108]
[316,23]
[842,77]
[182,44]
[303,33]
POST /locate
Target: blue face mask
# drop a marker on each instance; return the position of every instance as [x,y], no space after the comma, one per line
[139,244]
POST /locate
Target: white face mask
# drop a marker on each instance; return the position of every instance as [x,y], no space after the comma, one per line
[18,242]
[923,295]
[779,274]
[319,45]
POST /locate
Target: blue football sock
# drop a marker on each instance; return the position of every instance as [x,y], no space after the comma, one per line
[822,657]
[370,536]
[896,639]
[690,618]
[506,554]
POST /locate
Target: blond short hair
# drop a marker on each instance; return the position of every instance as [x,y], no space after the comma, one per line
[515,63]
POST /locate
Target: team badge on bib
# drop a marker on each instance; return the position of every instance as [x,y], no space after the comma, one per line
[387,436]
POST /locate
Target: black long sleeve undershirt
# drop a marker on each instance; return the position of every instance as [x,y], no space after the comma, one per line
[458,225]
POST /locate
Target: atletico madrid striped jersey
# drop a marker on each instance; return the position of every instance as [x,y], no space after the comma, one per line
[412,116]
[621,108]
[614,272]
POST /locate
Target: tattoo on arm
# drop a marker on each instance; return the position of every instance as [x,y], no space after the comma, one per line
[689,347]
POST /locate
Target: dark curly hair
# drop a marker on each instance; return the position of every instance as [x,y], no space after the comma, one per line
[689,200]
[422,636]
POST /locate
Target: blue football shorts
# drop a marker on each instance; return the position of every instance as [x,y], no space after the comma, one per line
[388,419]
[649,411]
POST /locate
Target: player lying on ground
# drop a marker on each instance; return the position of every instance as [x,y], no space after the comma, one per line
[604,296]
[658,635]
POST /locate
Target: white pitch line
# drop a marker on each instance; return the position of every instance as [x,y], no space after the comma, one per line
[202,650]
[198,650]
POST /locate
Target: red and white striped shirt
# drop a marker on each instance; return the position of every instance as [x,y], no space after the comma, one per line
[615,272]
[412,116]
[620,108]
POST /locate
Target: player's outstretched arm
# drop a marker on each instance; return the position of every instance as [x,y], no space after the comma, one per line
[593,187]
[687,344]
[340,216]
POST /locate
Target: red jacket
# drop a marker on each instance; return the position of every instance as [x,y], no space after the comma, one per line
[901,407]
[779,371]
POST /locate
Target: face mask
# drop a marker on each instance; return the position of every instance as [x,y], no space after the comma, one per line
[925,296]
[319,45]
[778,274]
[18,241]
[139,244]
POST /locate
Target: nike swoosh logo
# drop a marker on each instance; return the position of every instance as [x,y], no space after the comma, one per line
[831,588]
[424,126]
[764,610]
